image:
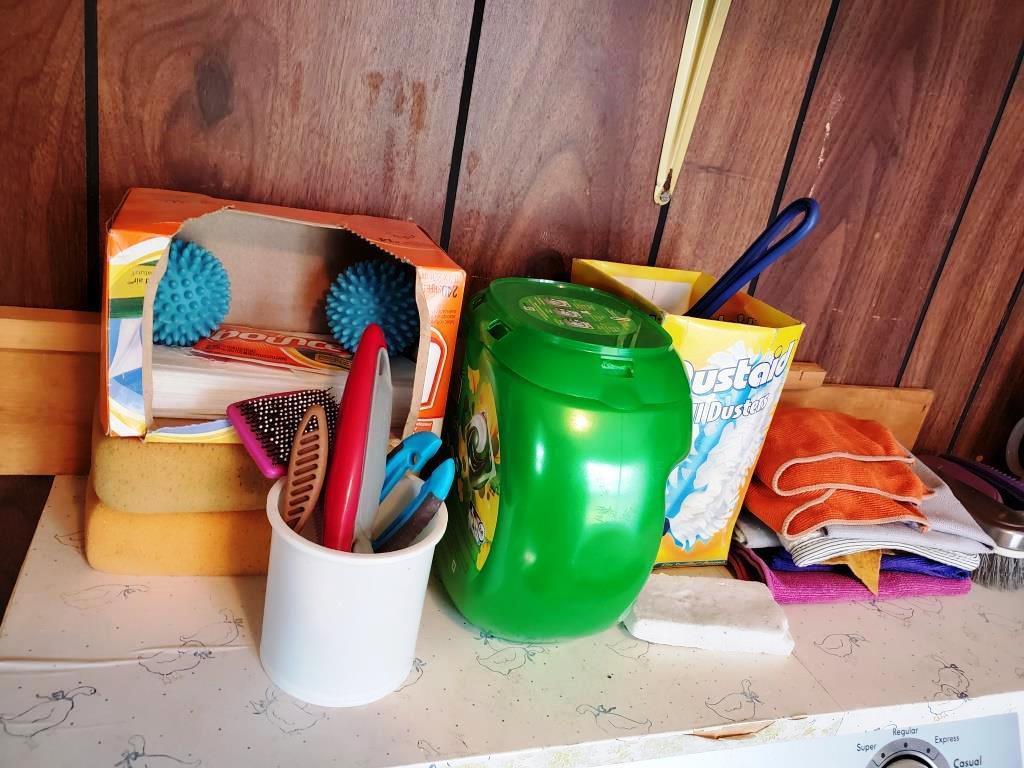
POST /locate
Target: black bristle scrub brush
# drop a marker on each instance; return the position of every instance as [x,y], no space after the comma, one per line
[1004,522]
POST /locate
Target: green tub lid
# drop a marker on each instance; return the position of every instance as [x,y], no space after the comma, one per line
[581,341]
[578,316]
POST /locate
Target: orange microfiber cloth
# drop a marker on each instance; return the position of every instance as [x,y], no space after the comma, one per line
[821,468]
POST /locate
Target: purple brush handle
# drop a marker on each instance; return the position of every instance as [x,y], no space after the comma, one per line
[964,475]
[253,445]
[1011,488]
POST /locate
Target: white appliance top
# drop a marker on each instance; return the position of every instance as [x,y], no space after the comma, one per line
[105,670]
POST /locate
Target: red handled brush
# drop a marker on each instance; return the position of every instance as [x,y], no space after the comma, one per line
[356,474]
[267,425]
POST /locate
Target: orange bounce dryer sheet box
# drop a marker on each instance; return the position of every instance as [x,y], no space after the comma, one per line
[280,262]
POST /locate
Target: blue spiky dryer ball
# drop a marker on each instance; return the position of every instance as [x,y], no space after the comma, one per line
[381,292]
[192,298]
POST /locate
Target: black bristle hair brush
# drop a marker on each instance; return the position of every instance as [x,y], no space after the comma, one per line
[1004,522]
[267,425]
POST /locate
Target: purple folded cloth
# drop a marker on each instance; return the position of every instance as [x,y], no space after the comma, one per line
[819,587]
[778,559]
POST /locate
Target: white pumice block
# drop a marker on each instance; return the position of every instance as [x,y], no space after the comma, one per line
[715,614]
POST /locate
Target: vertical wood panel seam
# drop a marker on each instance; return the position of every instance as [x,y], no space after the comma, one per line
[93,271]
[472,48]
[996,338]
[659,231]
[801,115]
[955,230]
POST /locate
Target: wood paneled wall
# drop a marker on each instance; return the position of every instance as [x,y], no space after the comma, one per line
[326,105]
[43,259]
[522,134]
[565,124]
[901,85]
[738,152]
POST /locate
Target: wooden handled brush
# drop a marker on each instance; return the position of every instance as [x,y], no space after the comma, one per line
[307,469]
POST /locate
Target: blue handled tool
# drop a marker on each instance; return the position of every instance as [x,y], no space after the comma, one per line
[759,255]
[434,489]
[410,455]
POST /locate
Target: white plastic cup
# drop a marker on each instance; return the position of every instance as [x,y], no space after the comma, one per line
[339,628]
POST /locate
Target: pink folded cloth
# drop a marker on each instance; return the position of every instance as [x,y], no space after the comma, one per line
[817,587]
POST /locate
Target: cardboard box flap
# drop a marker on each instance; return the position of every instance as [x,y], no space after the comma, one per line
[666,292]
[159,211]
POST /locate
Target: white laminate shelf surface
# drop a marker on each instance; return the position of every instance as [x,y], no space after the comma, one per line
[101,670]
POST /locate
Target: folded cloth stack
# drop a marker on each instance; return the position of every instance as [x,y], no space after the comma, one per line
[830,587]
[833,494]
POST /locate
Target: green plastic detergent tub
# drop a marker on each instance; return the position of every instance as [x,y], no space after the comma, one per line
[572,411]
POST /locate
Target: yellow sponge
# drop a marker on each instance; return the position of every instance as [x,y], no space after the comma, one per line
[175,543]
[134,476]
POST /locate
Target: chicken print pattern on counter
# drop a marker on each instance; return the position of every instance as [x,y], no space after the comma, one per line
[289,715]
[614,723]
[136,756]
[631,648]
[170,665]
[51,711]
[739,707]
[176,660]
[75,540]
[101,595]
[218,633]
[952,683]
[839,645]
[504,658]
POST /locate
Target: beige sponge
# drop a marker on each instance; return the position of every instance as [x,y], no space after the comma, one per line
[176,543]
[134,476]
[722,615]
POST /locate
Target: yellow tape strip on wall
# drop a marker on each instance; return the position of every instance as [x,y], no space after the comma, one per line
[700,43]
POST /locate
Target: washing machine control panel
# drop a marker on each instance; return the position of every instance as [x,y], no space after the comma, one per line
[907,752]
[985,742]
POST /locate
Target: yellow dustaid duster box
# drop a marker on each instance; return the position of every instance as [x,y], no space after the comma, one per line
[737,365]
